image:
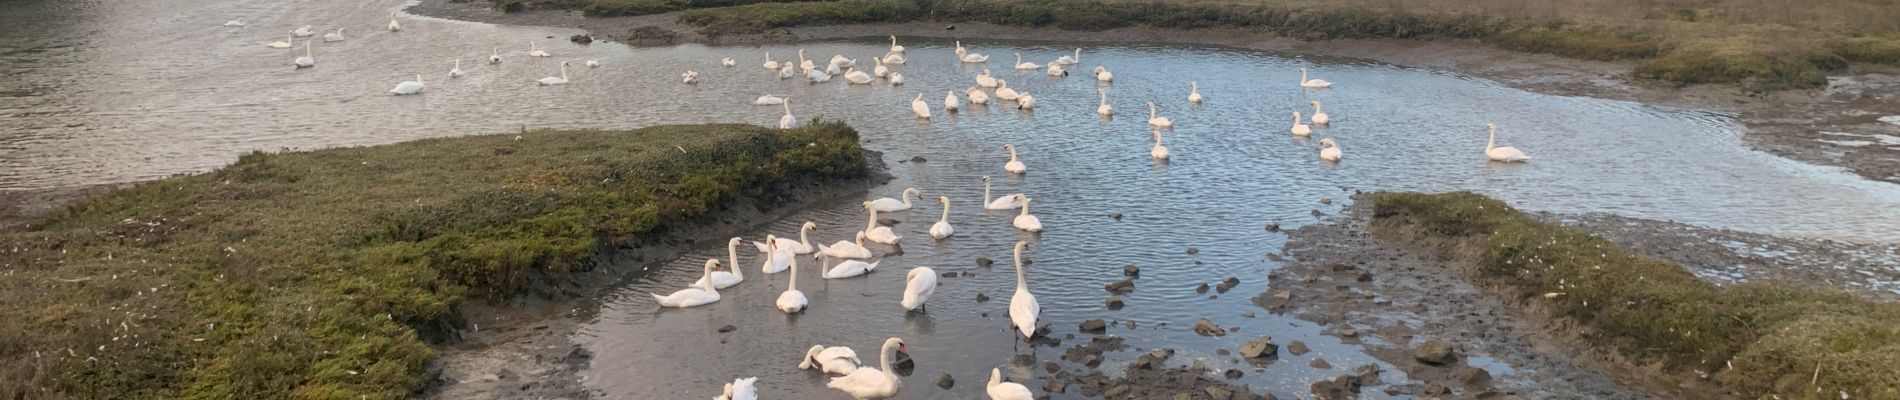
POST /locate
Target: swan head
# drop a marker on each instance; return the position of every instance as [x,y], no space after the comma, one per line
[860,235]
[1315,103]
[1022,245]
[899,344]
[1023,197]
[734,241]
[771,242]
[913,191]
[712,264]
[810,226]
[986,179]
[1327,142]
[996,377]
[943,199]
[1296,114]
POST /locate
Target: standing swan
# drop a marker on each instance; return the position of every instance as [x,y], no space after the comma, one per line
[942,228]
[1300,128]
[457,71]
[1024,221]
[307,60]
[1104,109]
[741,389]
[535,52]
[880,234]
[1014,166]
[999,390]
[692,296]
[284,44]
[846,269]
[725,279]
[1155,119]
[846,248]
[1159,152]
[787,122]
[950,101]
[1504,154]
[1020,65]
[562,80]
[873,384]
[334,36]
[393,26]
[791,301]
[1314,83]
[919,107]
[1319,116]
[494,55]
[1328,150]
[889,204]
[894,47]
[1194,92]
[919,284]
[409,87]
[1022,306]
[1004,202]
[831,360]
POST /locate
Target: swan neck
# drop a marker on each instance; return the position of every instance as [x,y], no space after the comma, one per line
[708,284]
[1491,143]
[1021,286]
[946,211]
[732,256]
[794,267]
[884,360]
[871,222]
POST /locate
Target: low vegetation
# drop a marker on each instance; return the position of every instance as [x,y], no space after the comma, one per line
[1761,339]
[323,274]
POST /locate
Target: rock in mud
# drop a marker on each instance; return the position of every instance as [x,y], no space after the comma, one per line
[1131,271]
[1123,286]
[1218,393]
[918,159]
[1227,285]
[982,298]
[1201,289]
[1339,388]
[1192,250]
[1320,363]
[1234,374]
[945,381]
[1273,227]
[984,262]
[888,221]
[728,329]
[1262,347]
[1297,348]
[1435,352]
[1114,302]
[1094,326]
[1207,328]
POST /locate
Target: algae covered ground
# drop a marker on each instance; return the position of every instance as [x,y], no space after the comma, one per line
[326,274]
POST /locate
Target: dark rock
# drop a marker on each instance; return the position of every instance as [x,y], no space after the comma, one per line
[1474,377]
[1131,271]
[1201,289]
[728,328]
[1053,386]
[1436,352]
[918,159]
[1435,390]
[1261,347]
[968,273]
[1122,286]
[1227,285]
[1114,303]
[1297,348]
[1117,391]
[1094,326]
[1207,328]
[582,39]
[950,28]
[1050,367]
[945,381]
[984,262]
[1192,250]
[888,221]
[1222,352]
[1116,216]
[948,274]
[1326,200]
[1273,227]
[1320,363]
[1219,393]
[1234,374]
[982,298]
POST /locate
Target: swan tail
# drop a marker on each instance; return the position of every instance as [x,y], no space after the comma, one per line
[873,266]
[658,299]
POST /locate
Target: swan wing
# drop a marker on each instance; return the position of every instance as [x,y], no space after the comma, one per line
[791,301]
[1008,391]
[860,382]
[1022,312]
[920,287]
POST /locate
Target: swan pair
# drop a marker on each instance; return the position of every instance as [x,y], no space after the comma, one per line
[553,80]
[725,279]
[1328,150]
[1005,202]
[409,87]
[1025,102]
[692,296]
[880,70]
[778,258]
[1014,166]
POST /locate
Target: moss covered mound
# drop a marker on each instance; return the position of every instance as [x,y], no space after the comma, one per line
[318,274]
[1759,338]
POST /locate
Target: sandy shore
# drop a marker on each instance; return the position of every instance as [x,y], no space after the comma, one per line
[1840,126]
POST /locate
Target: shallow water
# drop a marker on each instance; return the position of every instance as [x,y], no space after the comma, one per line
[115,92]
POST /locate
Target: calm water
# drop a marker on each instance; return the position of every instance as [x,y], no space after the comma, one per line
[117,91]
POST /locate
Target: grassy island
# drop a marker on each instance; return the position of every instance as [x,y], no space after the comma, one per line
[324,274]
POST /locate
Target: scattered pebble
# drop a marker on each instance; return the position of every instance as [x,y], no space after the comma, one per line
[1326,200]
[945,381]
[1297,348]
[1094,326]
[1320,363]
[982,298]
[1131,271]
[1246,314]
[728,328]
[1234,374]
[1205,327]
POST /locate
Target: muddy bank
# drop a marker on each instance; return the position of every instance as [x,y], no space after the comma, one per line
[1840,126]
[1727,257]
[20,208]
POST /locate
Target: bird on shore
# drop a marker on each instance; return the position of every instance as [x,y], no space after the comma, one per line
[1503,154]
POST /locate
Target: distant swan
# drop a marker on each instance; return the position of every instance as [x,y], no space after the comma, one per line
[977,96]
[1159,152]
[1320,117]
[787,122]
[728,62]
[1004,92]
[334,36]
[409,87]
[393,26]
[494,55]
[769,64]
[1505,154]
[284,44]
[689,77]
[768,100]
[304,31]
[307,60]
[1024,221]
[1314,83]
[1102,74]
[1067,60]
[1328,150]
[457,71]
[1020,65]
[1194,92]
[942,228]
[1022,306]
[591,63]
[1014,166]
[922,109]
[692,296]
[1004,202]
[1156,120]
[1104,109]
[236,23]
[535,52]
[919,284]
[562,80]
[950,101]
[894,47]
[1300,128]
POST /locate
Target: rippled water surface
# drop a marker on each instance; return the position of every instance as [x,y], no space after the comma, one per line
[125,91]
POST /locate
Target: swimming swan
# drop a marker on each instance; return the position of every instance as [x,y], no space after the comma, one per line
[950,101]
[1159,152]
[1194,92]
[409,87]
[307,60]
[1504,154]
[1004,202]
[1319,116]
[1314,83]
[1024,221]
[1328,150]
[1067,60]
[692,296]
[334,36]
[283,44]
[689,77]
[535,52]
[880,234]
[857,77]
[1156,120]
[1300,128]
[1022,306]
[791,300]
[1014,166]
[894,47]
[880,70]
[977,96]
[846,269]
[1004,92]
[457,72]
[942,228]
[1104,109]
[873,384]
[985,80]
[725,279]
[304,31]
[786,121]
[889,204]
[846,248]
[561,80]
[591,63]
[922,109]
[1020,65]
[1102,74]
[769,64]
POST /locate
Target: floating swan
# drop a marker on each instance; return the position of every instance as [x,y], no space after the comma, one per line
[1024,221]
[741,389]
[1104,109]
[1004,202]
[561,80]
[1320,117]
[1505,154]
[334,36]
[1025,102]
[591,63]
[942,228]
[999,390]
[728,62]
[1022,306]
[689,77]
[535,52]
[1300,128]
[236,23]
[969,57]
[1102,74]
[768,100]
[769,64]
[803,63]
[777,258]
[304,31]
[457,71]
[857,77]
[889,204]
[282,44]
[786,72]
[922,109]
[897,79]
[919,284]
[880,70]
[393,26]
[841,62]
[815,75]
[846,269]
[1313,83]
[1156,120]
[985,80]
[831,360]
[307,60]
[834,69]
[894,58]
[1328,150]
[494,55]
[409,87]
[873,384]
[977,96]
[791,300]
[1004,92]
[1067,60]
[1020,65]
[692,296]
[880,234]
[1159,152]
[894,47]
[1057,70]
[725,279]
[846,248]
[787,122]
[950,101]
[1014,166]
[1194,92]
[800,246]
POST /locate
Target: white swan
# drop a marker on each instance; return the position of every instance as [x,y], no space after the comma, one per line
[1312,83]
[741,389]
[846,248]
[977,96]
[922,109]
[1022,306]
[307,60]
[942,228]
[1102,74]
[1004,92]
[791,300]
[409,87]
[769,64]
[725,279]
[857,77]
[1300,128]
[692,296]
[894,47]
[889,204]
[846,269]
[1020,65]
[1025,102]
[1004,202]
[1156,120]
[768,100]
[841,62]
[815,75]
[919,284]
[304,31]
[1056,70]
[1014,166]
[950,101]
[894,58]
[591,63]
[535,52]
[1319,116]
[689,77]
[1027,222]
[984,80]
[786,121]
[786,72]
[831,360]
[561,80]
[803,63]
[897,79]
[457,72]
[236,23]
[728,62]
[1159,152]
[1505,154]
[393,26]
[777,258]
[969,57]
[999,390]
[1067,60]
[1104,109]
[800,246]
[334,36]
[873,384]
[1328,150]
[494,55]
[1194,92]
[880,234]
[834,69]
[282,44]
[880,70]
